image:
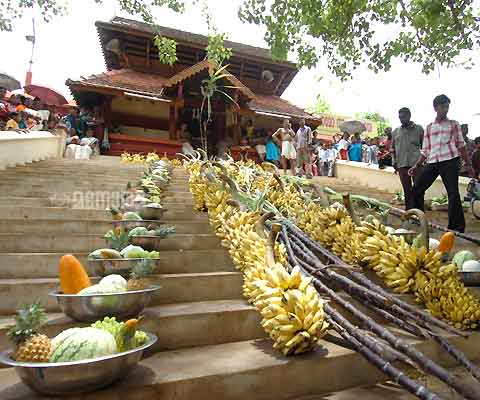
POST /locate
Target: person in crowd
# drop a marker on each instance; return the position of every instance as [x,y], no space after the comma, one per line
[272,153]
[476,158]
[182,130]
[184,136]
[3,101]
[22,124]
[406,143]
[355,149]
[284,137]
[20,103]
[469,146]
[13,123]
[342,146]
[224,144]
[373,151]
[72,122]
[303,141]
[84,148]
[443,144]
[27,101]
[327,161]
[249,129]
[366,151]
[314,160]
[321,158]
[261,149]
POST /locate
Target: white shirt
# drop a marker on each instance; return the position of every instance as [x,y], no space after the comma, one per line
[343,144]
[321,154]
[330,155]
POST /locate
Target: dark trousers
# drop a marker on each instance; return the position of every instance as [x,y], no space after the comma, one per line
[449,172]
[407,182]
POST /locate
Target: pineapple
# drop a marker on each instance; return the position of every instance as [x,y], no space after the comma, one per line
[30,345]
[139,275]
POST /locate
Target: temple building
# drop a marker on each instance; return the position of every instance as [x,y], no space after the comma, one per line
[142,102]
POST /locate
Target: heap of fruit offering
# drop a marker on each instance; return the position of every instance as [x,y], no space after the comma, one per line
[75,280]
[103,338]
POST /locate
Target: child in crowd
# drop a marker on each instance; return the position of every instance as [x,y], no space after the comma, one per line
[261,149]
[476,158]
[13,123]
[328,160]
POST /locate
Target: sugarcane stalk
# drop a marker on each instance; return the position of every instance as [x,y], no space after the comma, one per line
[424,362]
[388,369]
[365,295]
[422,315]
[427,364]
[459,356]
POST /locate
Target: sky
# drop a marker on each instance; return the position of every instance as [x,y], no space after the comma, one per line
[68,47]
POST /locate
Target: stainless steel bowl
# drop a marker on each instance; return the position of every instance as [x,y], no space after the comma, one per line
[147,242]
[152,212]
[119,266]
[92,307]
[470,278]
[79,376]
[127,224]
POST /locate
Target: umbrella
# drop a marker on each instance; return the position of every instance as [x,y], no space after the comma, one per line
[352,127]
[46,94]
[8,82]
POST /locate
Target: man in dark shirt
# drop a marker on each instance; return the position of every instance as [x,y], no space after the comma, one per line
[406,144]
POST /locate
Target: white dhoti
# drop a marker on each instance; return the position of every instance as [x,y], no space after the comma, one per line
[77,152]
[288,150]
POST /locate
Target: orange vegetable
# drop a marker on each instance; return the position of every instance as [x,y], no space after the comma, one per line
[446,242]
[73,276]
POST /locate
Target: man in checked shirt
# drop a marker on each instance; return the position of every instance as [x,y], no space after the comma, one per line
[443,144]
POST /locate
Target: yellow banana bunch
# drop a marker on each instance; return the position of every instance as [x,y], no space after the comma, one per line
[291,308]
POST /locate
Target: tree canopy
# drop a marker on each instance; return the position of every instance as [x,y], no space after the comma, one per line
[345,33]
[321,106]
[381,121]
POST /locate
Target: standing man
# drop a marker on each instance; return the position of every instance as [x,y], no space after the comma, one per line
[303,141]
[284,137]
[443,145]
[406,144]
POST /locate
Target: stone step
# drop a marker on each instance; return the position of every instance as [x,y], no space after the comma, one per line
[179,213]
[235,371]
[177,325]
[41,226]
[176,288]
[78,243]
[38,265]
[25,201]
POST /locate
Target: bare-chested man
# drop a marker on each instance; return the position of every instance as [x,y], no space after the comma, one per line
[284,138]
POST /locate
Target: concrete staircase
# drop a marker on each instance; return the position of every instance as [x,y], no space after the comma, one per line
[211,344]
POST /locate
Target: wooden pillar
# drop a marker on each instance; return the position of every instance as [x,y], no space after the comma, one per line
[173,121]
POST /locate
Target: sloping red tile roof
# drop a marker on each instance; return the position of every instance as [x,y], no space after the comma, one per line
[277,105]
[124,79]
[150,84]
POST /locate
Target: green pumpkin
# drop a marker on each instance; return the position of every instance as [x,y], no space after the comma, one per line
[78,344]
